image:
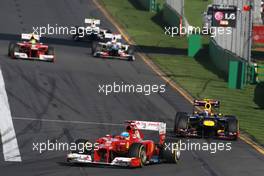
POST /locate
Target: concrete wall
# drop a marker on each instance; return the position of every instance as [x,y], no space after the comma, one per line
[171,16]
[221,57]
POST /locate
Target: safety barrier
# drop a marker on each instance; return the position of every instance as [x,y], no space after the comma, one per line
[233,66]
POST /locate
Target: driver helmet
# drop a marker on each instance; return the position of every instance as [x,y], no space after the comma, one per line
[33,40]
[114,40]
[125,134]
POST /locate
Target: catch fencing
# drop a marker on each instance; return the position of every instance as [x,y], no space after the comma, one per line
[239,41]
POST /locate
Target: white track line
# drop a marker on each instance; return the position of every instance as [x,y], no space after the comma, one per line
[70,121]
[66,121]
[7,131]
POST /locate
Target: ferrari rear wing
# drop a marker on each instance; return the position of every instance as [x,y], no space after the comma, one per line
[151,126]
[29,36]
[160,127]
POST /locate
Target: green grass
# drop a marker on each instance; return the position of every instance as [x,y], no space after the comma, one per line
[194,10]
[198,76]
[142,25]
[200,82]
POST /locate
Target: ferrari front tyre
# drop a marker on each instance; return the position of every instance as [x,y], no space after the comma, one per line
[170,152]
[11,48]
[181,121]
[51,51]
[138,150]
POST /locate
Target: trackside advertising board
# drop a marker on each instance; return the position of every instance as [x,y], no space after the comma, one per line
[224,16]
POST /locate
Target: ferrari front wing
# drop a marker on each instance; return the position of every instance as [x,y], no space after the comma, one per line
[117,161]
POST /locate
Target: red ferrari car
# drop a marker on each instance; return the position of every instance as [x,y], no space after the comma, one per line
[129,149]
[31,49]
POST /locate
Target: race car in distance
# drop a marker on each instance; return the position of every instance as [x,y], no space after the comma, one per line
[92,32]
[30,48]
[129,149]
[206,123]
[113,49]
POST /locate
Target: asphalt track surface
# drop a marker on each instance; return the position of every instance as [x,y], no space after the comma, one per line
[45,98]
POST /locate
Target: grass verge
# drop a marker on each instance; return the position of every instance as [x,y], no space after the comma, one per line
[197,76]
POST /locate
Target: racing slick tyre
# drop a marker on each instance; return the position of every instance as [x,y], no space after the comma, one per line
[13,47]
[232,125]
[131,58]
[170,152]
[51,51]
[95,47]
[82,143]
[138,150]
[130,50]
[181,121]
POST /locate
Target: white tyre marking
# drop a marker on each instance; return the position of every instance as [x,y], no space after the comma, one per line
[7,131]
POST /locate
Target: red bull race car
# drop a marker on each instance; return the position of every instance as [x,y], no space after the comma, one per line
[30,48]
[206,123]
[113,49]
[130,149]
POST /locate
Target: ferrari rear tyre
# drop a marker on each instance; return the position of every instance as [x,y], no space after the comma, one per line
[181,121]
[172,153]
[138,150]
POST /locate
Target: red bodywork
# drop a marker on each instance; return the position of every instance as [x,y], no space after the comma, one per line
[33,50]
[119,150]
[110,146]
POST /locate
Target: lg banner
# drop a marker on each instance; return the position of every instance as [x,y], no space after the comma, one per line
[224,16]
